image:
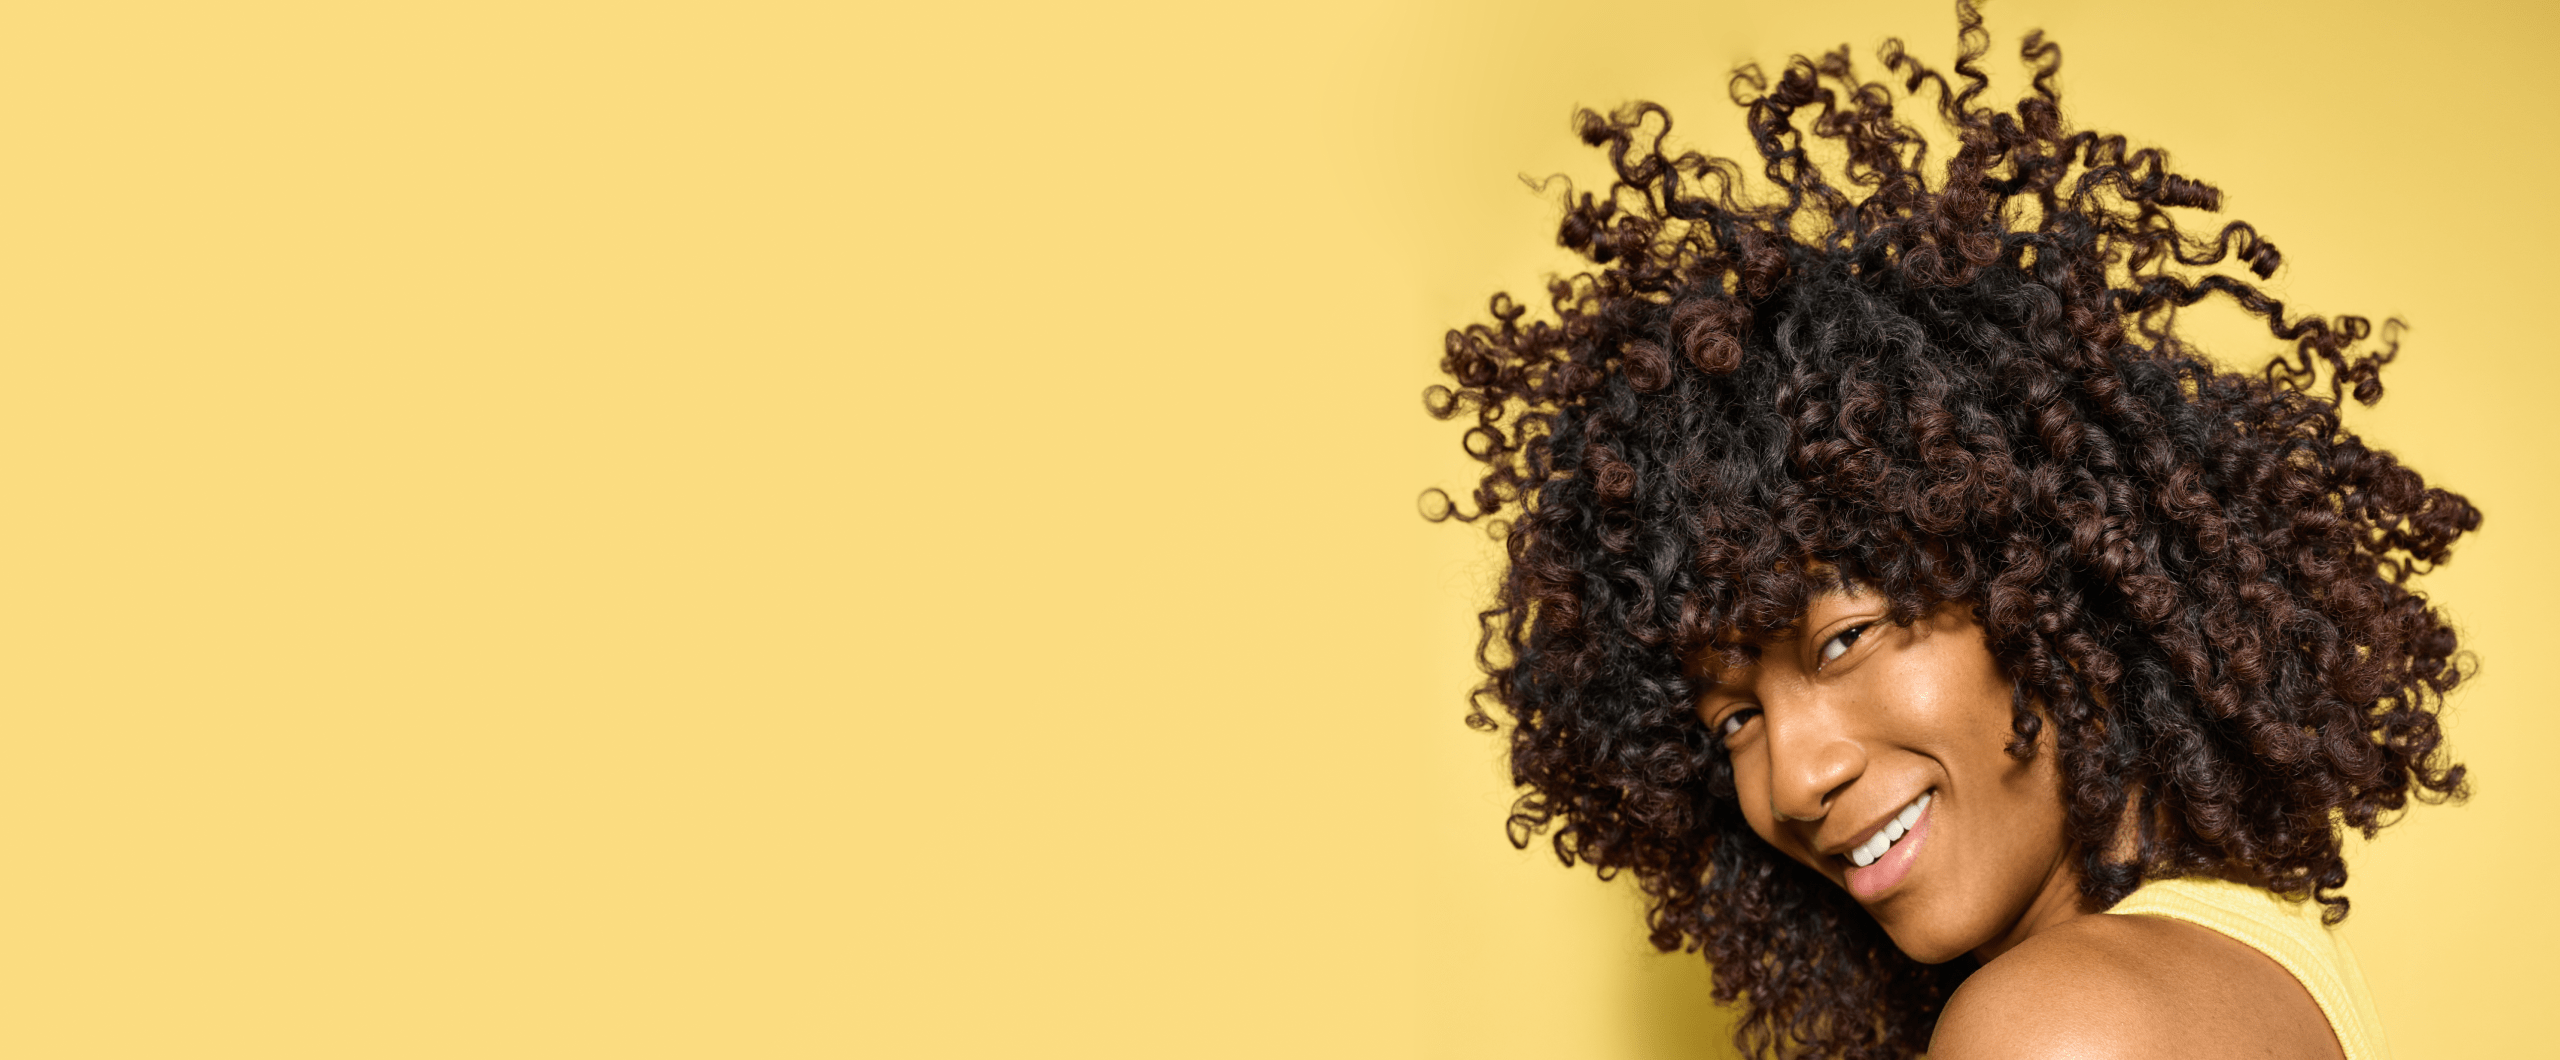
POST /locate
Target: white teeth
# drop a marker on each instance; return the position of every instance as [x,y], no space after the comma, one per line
[1865,854]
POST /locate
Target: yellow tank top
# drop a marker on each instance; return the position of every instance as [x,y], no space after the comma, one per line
[2289,933]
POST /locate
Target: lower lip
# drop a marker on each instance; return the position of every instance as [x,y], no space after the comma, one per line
[1887,871]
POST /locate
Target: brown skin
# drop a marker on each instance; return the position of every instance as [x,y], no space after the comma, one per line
[1825,750]
[2132,986]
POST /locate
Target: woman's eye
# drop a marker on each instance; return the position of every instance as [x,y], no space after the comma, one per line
[1734,722]
[1839,643]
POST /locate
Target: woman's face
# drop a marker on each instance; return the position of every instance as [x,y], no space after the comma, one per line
[1874,753]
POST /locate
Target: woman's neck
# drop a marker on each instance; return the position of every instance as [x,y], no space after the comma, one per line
[2057,901]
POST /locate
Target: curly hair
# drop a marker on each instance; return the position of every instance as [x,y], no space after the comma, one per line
[1969,390]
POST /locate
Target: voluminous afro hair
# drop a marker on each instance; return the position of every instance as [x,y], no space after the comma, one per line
[1961,389]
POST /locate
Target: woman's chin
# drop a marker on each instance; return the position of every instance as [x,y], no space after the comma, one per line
[1918,941]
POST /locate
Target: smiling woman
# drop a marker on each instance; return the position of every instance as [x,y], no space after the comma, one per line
[1893,591]
[1857,744]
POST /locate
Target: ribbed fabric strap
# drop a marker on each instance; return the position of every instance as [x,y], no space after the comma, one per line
[2289,933]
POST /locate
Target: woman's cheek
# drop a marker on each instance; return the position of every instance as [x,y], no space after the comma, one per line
[1751,789]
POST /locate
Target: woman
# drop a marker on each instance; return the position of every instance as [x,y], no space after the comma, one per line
[1959,659]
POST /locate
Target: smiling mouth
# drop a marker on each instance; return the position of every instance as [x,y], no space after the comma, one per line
[1865,854]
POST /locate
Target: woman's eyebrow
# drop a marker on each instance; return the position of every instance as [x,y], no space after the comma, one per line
[1712,663]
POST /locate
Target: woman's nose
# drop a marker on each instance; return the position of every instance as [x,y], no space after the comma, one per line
[1810,760]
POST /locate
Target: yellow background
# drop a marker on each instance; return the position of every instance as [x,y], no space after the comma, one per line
[761,530]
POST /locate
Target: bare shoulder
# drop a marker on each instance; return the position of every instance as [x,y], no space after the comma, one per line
[2082,989]
[2126,986]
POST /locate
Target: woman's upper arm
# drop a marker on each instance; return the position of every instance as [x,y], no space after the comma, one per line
[2052,1001]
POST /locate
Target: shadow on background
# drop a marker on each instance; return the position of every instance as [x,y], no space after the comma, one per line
[1670,1014]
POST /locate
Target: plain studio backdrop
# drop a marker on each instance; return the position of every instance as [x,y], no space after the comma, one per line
[794,531]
